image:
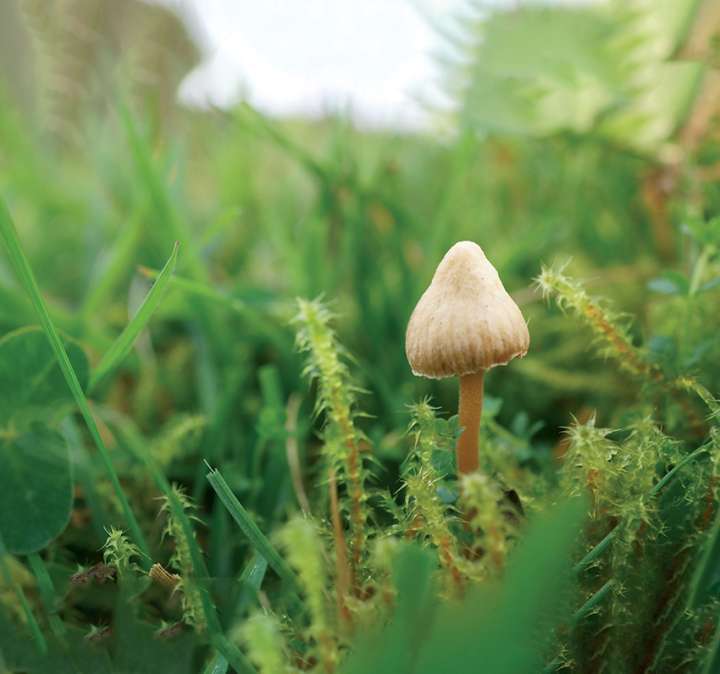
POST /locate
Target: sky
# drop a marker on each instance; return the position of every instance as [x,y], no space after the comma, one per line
[374,59]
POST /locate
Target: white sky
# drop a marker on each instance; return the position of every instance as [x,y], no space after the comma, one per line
[375,58]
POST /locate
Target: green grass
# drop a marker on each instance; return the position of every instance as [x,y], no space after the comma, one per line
[280,461]
[256,538]
[124,343]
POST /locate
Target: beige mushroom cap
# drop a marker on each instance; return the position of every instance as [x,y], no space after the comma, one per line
[465,321]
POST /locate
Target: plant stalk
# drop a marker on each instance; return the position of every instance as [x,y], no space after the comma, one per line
[470,411]
[343,572]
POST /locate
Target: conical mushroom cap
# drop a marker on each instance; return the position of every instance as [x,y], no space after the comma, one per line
[465,321]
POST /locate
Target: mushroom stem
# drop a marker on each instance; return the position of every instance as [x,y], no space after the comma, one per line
[470,410]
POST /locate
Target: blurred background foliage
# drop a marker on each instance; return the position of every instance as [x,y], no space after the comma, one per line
[591,152]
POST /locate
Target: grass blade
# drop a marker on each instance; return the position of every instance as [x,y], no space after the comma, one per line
[122,255]
[22,599]
[160,200]
[604,544]
[251,580]
[593,601]
[124,343]
[217,665]
[22,268]
[699,594]
[712,660]
[255,318]
[256,537]
[227,650]
[707,569]
[47,595]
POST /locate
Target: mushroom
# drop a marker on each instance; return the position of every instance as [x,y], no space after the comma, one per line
[465,323]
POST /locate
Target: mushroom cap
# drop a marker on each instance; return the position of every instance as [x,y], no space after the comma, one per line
[465,321]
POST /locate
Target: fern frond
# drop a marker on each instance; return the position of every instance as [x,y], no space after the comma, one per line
[428,516]
[181,560]
[614,340]
[490,518]
[261,633]
[337,401]
[119,551]
[610,328]
[305,551]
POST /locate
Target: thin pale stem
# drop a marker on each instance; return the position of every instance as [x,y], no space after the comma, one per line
[470,410]
[343,571]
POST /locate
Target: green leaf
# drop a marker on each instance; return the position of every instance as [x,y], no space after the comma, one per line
[412,573]
[710,285]
[602,71]
[567,84]
[31,381]
[663,285]
[122,345]
[138,648]
[507,627]
[24,273]
[670,283]
[35,489]
[76,656]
